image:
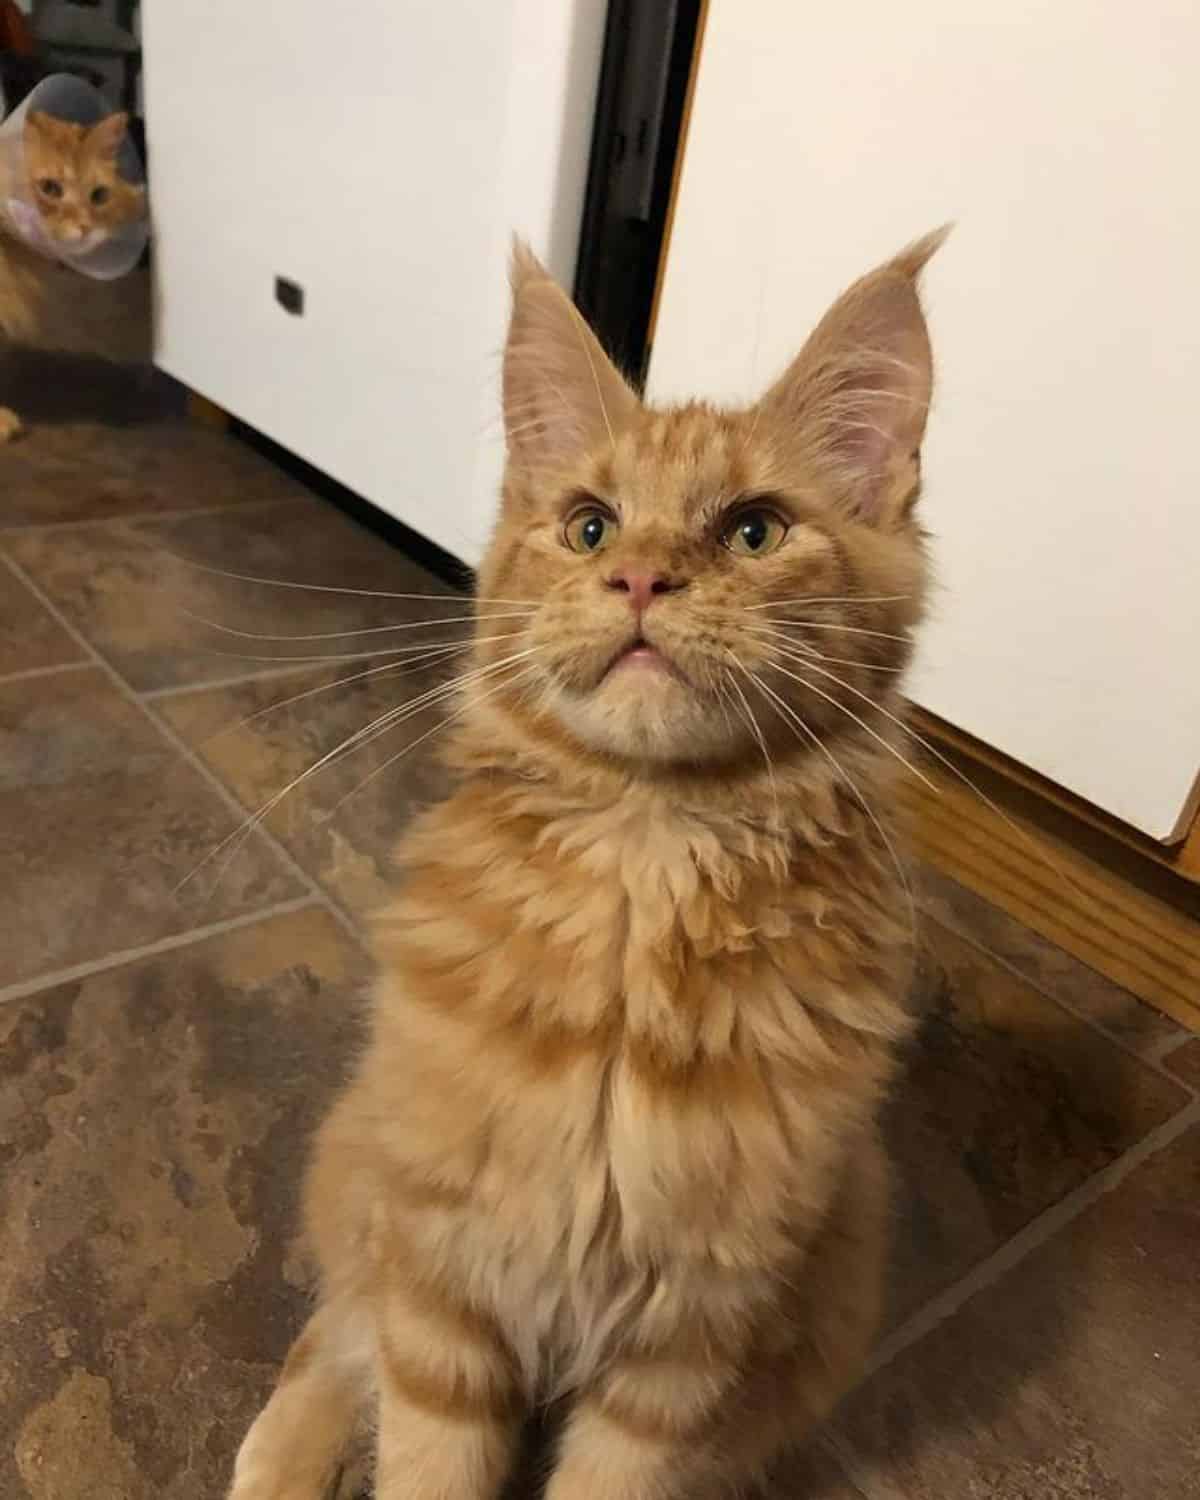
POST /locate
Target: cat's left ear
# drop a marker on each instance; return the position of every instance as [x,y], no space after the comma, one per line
[852,405]
[106,136]
[562,394]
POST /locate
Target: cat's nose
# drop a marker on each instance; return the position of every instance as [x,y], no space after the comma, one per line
[643,585]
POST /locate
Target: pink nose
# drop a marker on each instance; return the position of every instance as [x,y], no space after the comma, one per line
[642,585]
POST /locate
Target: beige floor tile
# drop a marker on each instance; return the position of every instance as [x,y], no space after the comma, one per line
[100,819]
[91,471]
[30,637]
[1074,1378]
[1008,1103]
[131,590]
[154,1120]
[1185,1063]
[342,822]
[1049,968]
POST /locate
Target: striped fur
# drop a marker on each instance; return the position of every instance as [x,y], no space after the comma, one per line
[613,1140]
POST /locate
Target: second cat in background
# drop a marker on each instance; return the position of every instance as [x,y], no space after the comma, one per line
[64,197]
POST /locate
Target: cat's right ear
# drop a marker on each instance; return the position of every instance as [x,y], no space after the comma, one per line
[108,134]
[562,394]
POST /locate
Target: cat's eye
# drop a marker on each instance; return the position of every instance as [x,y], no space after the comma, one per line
[50,187]
[754,531]
[100,195]
[590,529]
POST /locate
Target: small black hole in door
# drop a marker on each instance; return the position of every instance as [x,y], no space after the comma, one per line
[289,295]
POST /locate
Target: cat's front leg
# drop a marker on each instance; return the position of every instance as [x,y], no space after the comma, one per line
[450,1410]
[644,1434]
[11,425]
[292,1450]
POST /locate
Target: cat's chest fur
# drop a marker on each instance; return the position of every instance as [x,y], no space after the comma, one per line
[622,1017]
[616,1056]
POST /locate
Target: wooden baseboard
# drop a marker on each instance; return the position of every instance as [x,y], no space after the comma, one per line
[1017,783]
[1097,909]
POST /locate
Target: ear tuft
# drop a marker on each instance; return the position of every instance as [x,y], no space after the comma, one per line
[107,135]
[852,405]
[524,267]
[562,394]
[913,259]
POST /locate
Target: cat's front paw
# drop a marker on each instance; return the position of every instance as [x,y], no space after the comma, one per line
[11,425]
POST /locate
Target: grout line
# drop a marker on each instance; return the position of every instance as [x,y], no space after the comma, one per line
[861,1480]
[28,528]
[1149,1058]
[242,813]
[1168,1047]
[1033,1236]
[840,1453]
[181,689]
[168,732]
[32,672]
[27,987]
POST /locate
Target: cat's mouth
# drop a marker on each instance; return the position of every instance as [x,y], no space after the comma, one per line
[640,655]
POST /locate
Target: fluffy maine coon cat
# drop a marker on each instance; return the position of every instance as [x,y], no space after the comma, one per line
[82,198]
[613,1140]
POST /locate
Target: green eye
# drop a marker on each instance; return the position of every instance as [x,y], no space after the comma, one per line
[589,530]
[754,532]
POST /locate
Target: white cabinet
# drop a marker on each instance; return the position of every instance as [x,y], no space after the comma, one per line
[380,154]
[1062,463]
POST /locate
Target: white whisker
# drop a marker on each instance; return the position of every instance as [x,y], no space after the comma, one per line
[398,669]
[955,771]
[457,597]
[882,635]
[866,698]
[724,700]
[397,651]
[784,708]
[412,745]
[583,334]
[803,652]
[362,736]
[999,812]
[832,599]
[850,714]
[755,728]
[332,635]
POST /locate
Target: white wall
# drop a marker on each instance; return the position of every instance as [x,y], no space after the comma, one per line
[1062,466]
[381,153]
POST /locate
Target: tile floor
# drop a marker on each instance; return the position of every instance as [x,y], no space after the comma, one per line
[166,1048]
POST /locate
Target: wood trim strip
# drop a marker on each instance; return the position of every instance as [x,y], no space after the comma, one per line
[1183,857]
[1188,863]
[1142,943]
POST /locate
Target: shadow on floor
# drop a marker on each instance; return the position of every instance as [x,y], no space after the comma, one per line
[52,389]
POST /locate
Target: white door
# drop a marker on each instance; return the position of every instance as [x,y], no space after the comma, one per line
[380,154]
[1063,462]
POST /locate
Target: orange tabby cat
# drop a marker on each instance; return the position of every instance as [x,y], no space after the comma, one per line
[614,1139]
[82,198]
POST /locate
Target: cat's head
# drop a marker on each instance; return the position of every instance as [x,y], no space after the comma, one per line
[707,584]
[74,179]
